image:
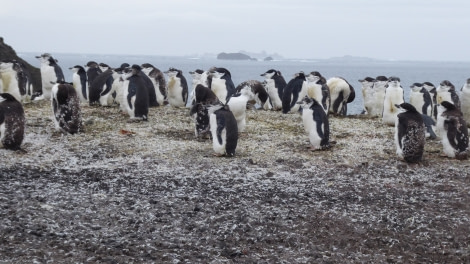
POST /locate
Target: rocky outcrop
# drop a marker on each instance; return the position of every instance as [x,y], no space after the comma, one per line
[233,56]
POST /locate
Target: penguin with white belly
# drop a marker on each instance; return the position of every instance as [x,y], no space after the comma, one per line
[446,92]
[237,105]
[316,123]
[291,93]
[318,89]
[224,130]
[380,86]
[51,73]
[177,88]
[222,84]
[465,101]
[394,95]
[158,79]
[421,99]
[433,93]
[409,133]
[275,84]
[66,108]
[261,97]
[9,80]
[80,83]
[12,122]
[367,94]
[453,131]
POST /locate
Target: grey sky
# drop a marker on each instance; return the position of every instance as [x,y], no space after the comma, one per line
[398,29]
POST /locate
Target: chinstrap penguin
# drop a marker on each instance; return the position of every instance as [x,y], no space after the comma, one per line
[224,130]
[177,88]
[274,85]
[204,98]
[12,122]
[421,99]
[136,96]
[465,101]
[80,83]
[318,89]
[394,95]
[453,130]
[261,96]
[222,84]
[409,133]
[293,93]
[66,108]
[446,92]
[433,93]
[100,89]
[51,73]
[367,94]
[341,94]
[316,123]
[158,79]
[237,105]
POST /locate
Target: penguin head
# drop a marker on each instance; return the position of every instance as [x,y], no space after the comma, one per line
[76,68]
[43,58]
[446,86]
[445,106]
[197,74]
[7,97]
[6,66]
[314,77]
[429,86]
[416,87]
[103,67]
[405,107]
[219,73]
[172,72]
[269,74]
[135,69]
[393,81]
[307,102]
[92,64]
[367,82]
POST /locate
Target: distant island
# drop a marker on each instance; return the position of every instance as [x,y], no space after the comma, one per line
[233,56]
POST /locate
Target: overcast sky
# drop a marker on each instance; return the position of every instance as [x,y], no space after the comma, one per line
[397,29]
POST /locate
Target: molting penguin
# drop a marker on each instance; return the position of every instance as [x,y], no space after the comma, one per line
[453,130]
[158,79]
[380,86]
[80,83]
[100,89]
[237,105]
[421,99]
[261,96]
[66,108]
[409,133]
[199,112]
[341,93]
[51,73]
[222,84]
[291,93]
[318,89]
[433,93]
[177,88]
[135,94]
[367,94]
[465,101]
[394,95]
[446,92]
[316,123]
[224,130]
[12,122]
[275,84]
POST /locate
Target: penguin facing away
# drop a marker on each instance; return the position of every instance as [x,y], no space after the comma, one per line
[316,123]
[100,89]
[66,108]
[199,112]
[51,73]
[12,122]
[275,84]
[177,88]
[291,93]
[453,131]
[224,130]
[465,101]
[135,94]
[261,97]
[409,133]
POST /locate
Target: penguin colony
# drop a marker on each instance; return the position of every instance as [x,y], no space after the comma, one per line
[218,108]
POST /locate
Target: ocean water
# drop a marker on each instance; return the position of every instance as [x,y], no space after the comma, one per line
[349,68]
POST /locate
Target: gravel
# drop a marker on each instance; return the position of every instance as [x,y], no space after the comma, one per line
[150,192]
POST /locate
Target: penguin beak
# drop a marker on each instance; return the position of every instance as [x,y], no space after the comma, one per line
[397,105]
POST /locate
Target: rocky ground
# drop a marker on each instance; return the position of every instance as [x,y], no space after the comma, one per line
[150,192]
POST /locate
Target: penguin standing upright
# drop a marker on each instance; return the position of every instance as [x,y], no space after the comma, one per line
[80,83]
[204,98]
[318,89]
[275,84]
[367,94]
[394,95]
[291,93]
[316,123]
[446,92]
[261,97]
[465,101]
[224,130]
[12,122]
[66,108]
[380,86]
[222,84]
[341,93]
[433,93]
[409,133]
[453,131]
[196,80]
[51,73]
[92,71]
[9,80]
[158,79]
[177,88]
[421,99]
[237,105]
[100,89]
[135,94]
[25,82]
